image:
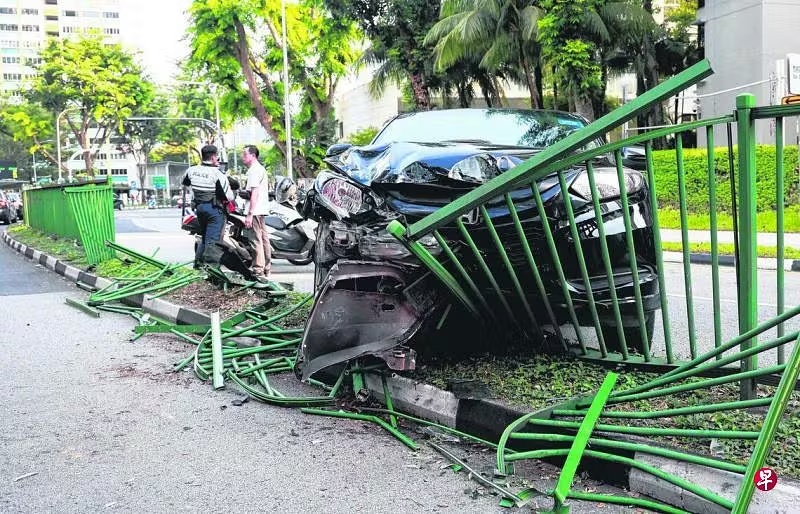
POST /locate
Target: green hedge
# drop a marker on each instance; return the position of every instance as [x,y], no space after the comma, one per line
[696,173]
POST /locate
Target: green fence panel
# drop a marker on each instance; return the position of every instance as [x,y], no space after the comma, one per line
[83,212]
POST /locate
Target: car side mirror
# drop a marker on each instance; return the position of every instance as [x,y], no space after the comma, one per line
[337,149]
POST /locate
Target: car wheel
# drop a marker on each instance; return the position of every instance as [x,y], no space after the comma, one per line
[633,336]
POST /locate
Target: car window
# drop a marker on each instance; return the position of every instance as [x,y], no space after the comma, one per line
[527,128]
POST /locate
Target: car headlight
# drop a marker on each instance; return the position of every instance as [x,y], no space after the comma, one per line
[477,168]
[607,183]
[342,197]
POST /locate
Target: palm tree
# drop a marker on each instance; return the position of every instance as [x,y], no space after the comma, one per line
[497,33]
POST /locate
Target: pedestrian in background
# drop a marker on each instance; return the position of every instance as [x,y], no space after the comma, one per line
[210,189]
[256,208]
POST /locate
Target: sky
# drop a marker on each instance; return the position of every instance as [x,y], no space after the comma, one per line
[156,28]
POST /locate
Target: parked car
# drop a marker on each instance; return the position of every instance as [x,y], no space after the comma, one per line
[16,200]
[118,203]
[8,210]
[420,162]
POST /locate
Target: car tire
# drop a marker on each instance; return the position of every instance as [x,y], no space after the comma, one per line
[633,336]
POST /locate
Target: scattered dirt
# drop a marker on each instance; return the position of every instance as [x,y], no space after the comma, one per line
[205,297]
[131,370]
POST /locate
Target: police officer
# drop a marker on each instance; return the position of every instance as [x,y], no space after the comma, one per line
[210,189]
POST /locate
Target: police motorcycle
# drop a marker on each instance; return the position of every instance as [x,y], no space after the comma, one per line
[291,237]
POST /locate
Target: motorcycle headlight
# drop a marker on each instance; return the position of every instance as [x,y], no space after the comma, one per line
[477,168]
[607,183]
[342,197]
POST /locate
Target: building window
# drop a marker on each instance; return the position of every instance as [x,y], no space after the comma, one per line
[91,14]
[30,28]
[11,60]
[16,77]
[119,171]
[701,40]
[114,15]
[31,44]
[110,32]
[12,27]
[51,18]
[50,2]
[70,13]
[30,11]
[701,3]
[8,10]
[33,61]
[7,43]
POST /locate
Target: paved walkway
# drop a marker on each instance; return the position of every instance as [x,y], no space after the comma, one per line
[791,240]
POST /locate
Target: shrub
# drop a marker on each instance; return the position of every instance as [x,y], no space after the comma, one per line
[696,175]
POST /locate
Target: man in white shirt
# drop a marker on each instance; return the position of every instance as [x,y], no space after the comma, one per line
[255,209]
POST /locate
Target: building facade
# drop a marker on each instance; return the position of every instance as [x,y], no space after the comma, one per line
[744,40]
[25,26]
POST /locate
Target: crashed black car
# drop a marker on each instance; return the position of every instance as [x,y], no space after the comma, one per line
[373,298]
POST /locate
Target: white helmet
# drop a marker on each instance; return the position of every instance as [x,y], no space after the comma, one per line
[285,190]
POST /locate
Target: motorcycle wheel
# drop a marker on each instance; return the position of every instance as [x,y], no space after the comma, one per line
[302,262]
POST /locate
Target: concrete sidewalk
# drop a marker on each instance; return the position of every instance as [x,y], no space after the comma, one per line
[791,239]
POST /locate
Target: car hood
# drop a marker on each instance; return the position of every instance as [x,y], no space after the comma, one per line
[426,163]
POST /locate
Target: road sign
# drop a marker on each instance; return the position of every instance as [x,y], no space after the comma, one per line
[159,182]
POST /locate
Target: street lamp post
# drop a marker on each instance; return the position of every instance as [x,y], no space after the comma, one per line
[287,115]
[58,137]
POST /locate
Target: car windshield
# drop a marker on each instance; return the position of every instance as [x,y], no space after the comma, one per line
[501,127]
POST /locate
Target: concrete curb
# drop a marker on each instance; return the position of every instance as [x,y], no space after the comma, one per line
[488,419]
[157,307]
[728,260]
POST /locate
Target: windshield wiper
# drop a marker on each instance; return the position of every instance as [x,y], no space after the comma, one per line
[468,141]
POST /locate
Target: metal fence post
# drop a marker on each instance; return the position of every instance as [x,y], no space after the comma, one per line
[748,237]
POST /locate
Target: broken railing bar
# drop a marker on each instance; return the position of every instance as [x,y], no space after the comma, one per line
[663,475]
[436,425]
[275,399]
[169,327]
[136,255]
[518,502]
[365,417]
[606,258]
[783,394]
[526,249]
[272,319]
[627,501]
[627,446]
[562,279]
[388,399]
[576,240]
[650,431]
[487,220]
[634,265]
[763,347]
[736,341]
[668,413]
[735,377]
[463,272]
[82,306]
[576,451]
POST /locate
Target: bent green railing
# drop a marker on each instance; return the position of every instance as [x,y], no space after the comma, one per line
[610,416]
[84,212]
[561,276]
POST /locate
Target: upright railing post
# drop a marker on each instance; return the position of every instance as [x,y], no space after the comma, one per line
[748,237]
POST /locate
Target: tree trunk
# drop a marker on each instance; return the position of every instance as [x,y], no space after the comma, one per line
[530,81]
[583,106]
[539,79]
[242,52]
[422,95]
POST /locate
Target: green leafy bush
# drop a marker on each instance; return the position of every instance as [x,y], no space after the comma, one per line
[362,136]
[696,175]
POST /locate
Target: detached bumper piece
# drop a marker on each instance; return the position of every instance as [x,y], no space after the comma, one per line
[366,309]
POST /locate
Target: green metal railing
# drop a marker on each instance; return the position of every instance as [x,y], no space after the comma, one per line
[551,433]
[522,266]
[83,212]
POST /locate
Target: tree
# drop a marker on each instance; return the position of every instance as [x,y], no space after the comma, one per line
[501,35]
[237,42]
[143,135]
[29,126]
[396,30]
[100,80]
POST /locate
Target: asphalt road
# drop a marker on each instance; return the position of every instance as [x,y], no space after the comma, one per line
[92,422]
